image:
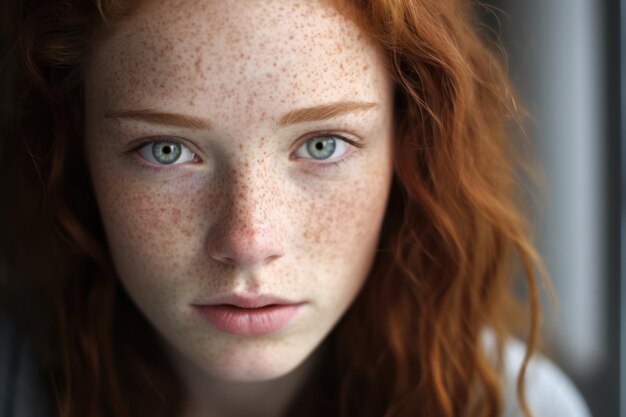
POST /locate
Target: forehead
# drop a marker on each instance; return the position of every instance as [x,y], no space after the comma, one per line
[211,55]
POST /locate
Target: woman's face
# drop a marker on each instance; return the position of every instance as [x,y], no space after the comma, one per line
[240,148]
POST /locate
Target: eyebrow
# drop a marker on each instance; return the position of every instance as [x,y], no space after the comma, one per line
[162,118]
[307,114]
[323,112]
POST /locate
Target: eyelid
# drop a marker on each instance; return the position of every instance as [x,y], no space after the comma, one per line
[327,133]
[139,143]
[142,143]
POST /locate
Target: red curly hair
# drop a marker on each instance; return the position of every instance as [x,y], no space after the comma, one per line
[454,234]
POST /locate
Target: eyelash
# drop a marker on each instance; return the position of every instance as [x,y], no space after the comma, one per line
[321,166]
[331,165]
[161,169]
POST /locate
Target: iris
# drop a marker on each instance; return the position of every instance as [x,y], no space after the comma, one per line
[321,147]
[166,152]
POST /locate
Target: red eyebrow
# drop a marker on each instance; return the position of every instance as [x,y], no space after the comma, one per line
[307,114]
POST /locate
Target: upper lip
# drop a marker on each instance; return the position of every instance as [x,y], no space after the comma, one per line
[248,300]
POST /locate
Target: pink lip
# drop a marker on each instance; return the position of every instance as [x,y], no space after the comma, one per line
[247,300]
[248,315]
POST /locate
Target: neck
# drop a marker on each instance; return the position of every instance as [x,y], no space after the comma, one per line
[209,397]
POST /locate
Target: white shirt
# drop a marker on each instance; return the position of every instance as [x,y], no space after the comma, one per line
[549,392]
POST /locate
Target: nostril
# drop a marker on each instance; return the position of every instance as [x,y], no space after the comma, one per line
[228,260]
[221,257]
[272,258]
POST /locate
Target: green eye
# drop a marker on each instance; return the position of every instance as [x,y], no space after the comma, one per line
[166,152]
[321,147]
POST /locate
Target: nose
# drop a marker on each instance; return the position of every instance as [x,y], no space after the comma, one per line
[250,232]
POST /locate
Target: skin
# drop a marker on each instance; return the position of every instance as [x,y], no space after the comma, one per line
[252,211]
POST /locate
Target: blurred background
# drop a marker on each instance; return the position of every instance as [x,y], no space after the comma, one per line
[567,62]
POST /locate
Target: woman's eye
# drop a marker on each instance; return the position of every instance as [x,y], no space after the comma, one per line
[322,147]
[166,152]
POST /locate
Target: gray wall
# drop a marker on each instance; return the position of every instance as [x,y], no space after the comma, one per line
[562,59]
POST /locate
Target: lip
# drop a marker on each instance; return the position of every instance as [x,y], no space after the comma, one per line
[248,315]
[248,300]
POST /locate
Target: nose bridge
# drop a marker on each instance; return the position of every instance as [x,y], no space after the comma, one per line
[249,231]
[251,197]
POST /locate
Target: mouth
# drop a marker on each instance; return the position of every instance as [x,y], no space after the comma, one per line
[248,321]
[247,314]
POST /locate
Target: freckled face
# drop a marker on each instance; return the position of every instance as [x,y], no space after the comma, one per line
[247,193]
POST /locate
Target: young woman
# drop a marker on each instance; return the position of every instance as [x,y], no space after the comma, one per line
[267,208]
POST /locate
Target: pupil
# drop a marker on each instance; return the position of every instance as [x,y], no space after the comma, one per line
[321,147]
[166,153]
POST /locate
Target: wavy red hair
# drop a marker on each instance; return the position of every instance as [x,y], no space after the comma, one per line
[454,234]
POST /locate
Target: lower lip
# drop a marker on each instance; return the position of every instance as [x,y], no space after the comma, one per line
[248,321]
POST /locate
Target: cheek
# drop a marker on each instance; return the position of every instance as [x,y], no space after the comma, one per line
[342,227]
[149,226]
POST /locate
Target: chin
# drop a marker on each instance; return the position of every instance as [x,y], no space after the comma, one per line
[250,375]
[260,362]
[253,370]
[245,359]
